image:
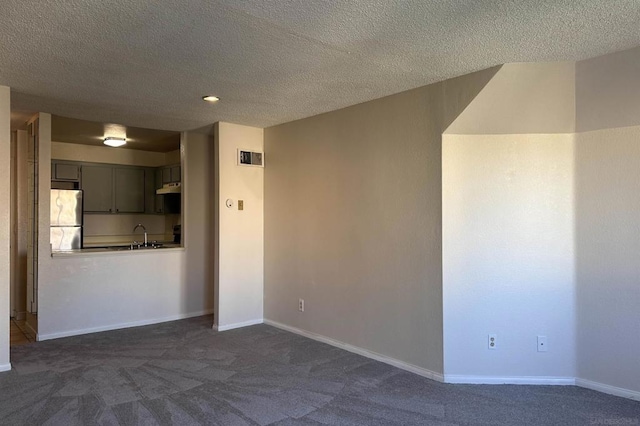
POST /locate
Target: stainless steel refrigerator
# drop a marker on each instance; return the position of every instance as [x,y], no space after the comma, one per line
[66,219]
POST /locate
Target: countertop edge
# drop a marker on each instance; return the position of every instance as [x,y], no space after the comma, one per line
[108,252]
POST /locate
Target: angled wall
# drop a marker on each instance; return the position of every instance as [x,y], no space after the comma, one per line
[540,230]
[353,223]
[523,98]
[508,229]
[607,91]
[607,196]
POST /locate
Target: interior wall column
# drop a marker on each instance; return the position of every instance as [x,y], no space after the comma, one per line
[5,221]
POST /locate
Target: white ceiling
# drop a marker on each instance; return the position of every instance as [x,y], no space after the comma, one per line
[147,64]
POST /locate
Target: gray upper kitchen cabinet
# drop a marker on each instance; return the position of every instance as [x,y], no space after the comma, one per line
[159,199]
[114,188]
[129,190]
[97,184]
[109,188]
[175,174]
[150,190]
[166,174]
[170,203]
[170,174]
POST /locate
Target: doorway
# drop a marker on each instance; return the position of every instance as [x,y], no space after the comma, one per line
[32,225]
[23,235]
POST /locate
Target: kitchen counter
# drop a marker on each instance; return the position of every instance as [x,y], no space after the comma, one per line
[118,249]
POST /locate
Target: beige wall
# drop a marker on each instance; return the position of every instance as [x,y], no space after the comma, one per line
[173,157]
[5,220]
[353,222]
[197,217]
[608,256]
[523,98]
[607,91]
[19,225]
[607,159]
[239,255]
[100,154]
[13,254]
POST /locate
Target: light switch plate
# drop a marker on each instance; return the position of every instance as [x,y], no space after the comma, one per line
[240,204]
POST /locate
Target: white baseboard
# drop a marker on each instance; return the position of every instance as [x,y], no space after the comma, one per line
[226,327]
[5,367]
[447,378]
[611,390]
[360,351]
[542,380]
[78,332]
[509,380]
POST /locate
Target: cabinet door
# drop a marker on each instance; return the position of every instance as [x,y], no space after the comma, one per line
[149,190]
[67,171]
[129,189]
[175,174]
[159,199]
[97,183]
[166,175]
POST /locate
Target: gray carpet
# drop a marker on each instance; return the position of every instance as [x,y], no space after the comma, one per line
[184,373]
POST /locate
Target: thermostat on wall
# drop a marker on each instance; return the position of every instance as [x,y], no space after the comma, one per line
[250,158]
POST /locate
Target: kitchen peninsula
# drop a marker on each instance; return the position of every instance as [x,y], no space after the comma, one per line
[121,189]
[100,289]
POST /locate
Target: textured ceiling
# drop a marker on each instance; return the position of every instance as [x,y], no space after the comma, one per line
[147,64]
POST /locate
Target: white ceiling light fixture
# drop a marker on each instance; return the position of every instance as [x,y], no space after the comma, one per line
[114,142]
[210,98]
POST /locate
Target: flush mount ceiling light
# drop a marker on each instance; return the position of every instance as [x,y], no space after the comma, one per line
[210,98]
[114,142]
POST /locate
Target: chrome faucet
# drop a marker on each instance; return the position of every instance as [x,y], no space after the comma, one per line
[145,232]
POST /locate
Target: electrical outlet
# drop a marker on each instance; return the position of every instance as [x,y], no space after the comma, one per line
[492,341]
[301,305]
[542,344]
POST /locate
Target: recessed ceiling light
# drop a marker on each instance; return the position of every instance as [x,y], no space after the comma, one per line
[114,142]
[210,98]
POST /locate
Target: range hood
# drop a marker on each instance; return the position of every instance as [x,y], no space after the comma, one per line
[169,188]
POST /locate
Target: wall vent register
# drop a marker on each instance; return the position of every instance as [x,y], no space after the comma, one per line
[250,158]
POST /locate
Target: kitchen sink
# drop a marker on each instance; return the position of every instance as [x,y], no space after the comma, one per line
[107,248]
[127,247]
[143,247]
